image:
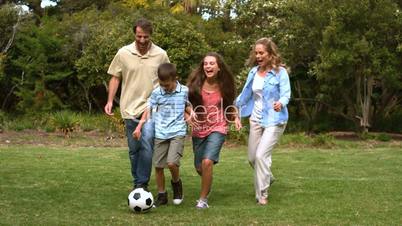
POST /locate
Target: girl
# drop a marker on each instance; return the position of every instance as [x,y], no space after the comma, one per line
[211,93]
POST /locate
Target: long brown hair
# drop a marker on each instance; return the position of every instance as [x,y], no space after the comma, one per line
[272,50]
[225,81]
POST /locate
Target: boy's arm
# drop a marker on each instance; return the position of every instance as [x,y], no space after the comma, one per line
[187,113]
[144,118]
[190,116]
[189,110]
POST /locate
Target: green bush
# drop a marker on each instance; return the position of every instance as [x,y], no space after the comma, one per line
[3,118]
[323,140]
[295,139]
[49,128]
[117,122]
[392,123]
[366,136]
[21,123]
[98,122]
[383,137]
[240,136]
[66,121]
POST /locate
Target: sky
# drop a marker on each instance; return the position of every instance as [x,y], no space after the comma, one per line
[43,4]
[46,3]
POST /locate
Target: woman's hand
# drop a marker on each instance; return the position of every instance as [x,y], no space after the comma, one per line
[277,106]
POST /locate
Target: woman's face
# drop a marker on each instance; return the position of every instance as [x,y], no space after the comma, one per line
[211,67]
[262,57]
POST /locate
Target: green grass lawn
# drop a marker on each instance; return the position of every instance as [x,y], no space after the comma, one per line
[89,186]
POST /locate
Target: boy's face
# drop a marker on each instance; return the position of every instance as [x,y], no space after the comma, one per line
[168,85]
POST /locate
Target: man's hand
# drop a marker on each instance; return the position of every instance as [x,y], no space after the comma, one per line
[108,109]
[112,89]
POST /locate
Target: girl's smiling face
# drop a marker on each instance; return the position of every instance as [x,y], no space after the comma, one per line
[211,67]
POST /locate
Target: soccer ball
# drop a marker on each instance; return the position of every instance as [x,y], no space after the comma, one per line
[140,200]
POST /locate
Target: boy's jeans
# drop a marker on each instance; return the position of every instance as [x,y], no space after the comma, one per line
[140,151]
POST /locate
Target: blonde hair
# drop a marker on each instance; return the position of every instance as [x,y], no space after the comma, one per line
[272,49]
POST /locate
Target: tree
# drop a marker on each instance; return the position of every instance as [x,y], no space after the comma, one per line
[9,21]
[359,59]
[331,45]
[33,5]
[10,18]
[187,6]
[71,6]
[104,33]
[183,42]
[39,68]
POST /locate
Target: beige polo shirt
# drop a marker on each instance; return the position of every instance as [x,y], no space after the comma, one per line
[138,76]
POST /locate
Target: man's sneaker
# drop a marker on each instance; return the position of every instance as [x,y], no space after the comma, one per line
[201,204]
[161,199]
[177,188]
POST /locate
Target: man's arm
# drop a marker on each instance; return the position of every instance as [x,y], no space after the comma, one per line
[145,116]
[113,86]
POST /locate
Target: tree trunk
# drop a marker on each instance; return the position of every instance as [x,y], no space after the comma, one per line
[364,100]
[86,94]
[37,10]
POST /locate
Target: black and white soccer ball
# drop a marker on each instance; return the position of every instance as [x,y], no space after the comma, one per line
[140,200]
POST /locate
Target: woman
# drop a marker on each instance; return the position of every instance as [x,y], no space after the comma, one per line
[264,98]
[211,93]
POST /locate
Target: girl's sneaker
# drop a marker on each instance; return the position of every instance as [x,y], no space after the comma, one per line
[201,204]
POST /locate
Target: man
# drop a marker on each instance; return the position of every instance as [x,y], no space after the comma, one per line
[136,66]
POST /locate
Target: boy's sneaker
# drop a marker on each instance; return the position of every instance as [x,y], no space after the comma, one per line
[177,188]
[201,204]
[161,199]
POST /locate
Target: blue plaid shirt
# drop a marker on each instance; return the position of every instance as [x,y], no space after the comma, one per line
[167,111]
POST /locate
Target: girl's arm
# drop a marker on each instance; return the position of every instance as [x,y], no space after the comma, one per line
[237,121]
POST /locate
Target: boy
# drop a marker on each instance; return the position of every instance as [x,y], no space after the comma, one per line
[167,104]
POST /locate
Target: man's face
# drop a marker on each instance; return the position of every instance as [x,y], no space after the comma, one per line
[142,40]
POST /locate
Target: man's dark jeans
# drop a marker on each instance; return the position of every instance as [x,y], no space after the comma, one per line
[140,151]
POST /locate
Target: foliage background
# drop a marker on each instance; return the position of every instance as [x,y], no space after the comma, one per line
[344,57]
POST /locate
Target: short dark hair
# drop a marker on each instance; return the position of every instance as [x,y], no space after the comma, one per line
[167,71]
[145,24]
